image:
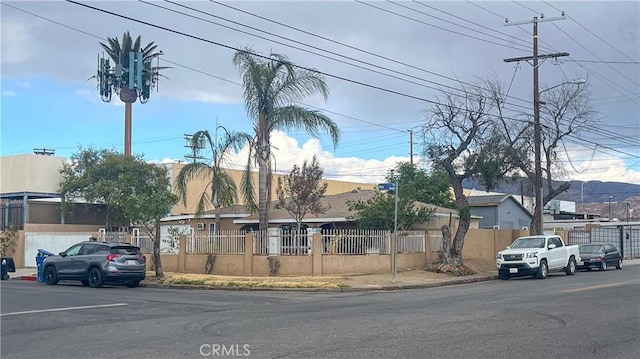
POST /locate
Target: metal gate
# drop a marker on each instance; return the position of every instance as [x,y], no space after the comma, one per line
[625,238]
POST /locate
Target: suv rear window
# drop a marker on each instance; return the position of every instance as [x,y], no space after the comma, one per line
[125,250]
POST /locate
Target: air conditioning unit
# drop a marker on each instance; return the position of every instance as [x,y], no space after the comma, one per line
[200,226]
[496,227]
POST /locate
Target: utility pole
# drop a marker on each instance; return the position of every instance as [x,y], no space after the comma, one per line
[411,146]
[537,225]
[194,146]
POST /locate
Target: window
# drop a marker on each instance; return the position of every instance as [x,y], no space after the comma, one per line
[557,242]
[125,250]
[87,249]
[73,251]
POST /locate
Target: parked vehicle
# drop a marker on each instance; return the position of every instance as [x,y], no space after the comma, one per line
[537,256]
[599,256]
[96,263]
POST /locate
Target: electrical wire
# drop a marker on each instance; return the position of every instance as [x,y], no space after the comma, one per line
[165,60]
[438,27]
[597,36]
[356,48]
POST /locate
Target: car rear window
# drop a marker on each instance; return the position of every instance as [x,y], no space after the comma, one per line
[125,250]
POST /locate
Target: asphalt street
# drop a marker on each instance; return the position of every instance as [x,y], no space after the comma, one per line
[589,315]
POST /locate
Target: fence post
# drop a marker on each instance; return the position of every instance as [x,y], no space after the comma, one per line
[427,247]
[248,253]
[317,254]
[182,254]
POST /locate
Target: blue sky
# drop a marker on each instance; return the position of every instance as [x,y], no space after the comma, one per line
[47,101]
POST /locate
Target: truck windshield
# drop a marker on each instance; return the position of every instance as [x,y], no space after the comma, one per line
[533,242]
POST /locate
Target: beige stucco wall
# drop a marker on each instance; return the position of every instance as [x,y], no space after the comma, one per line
[30,173]
[194,189]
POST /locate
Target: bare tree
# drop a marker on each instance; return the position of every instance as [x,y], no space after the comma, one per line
[564,112]
[301,192]
[462,138]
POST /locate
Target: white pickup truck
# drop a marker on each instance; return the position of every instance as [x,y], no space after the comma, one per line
[537,256]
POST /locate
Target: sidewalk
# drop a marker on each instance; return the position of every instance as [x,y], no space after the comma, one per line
[411,279]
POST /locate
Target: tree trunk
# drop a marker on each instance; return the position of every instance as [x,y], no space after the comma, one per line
[262,194]
[464,219]
[263,154]
[156,252]
[446,244]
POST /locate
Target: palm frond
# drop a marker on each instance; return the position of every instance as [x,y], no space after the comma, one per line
[246,184]
[311,121]
[188,173]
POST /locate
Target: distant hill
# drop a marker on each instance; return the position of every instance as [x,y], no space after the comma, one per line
[593,191]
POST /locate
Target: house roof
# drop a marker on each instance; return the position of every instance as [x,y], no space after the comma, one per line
[488,200]
[494,201]
[338,208]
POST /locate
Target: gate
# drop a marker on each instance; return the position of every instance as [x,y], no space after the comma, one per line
[625,238]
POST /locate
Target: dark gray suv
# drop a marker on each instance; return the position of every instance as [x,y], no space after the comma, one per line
[96,263]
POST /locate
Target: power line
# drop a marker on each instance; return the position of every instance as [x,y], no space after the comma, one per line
[198,70]
[596,35]
[193,69]
[356,48]
[304,44]
[342,78]
[438,27]
[579,43]
[447,21]
[324,50]
[605,80]
[609,62]
[472,22]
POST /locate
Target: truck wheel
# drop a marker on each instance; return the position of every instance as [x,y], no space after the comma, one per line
[603,265]
[570,269]
[543,270]
[504,275]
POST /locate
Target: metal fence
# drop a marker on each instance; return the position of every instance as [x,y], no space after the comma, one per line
[626,239]
[223,242]
[286,242]
[341,241]
[411,242]
[12,216]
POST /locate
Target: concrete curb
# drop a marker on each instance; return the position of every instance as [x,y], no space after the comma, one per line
[340,289]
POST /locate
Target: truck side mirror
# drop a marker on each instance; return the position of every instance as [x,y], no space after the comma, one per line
[551,246]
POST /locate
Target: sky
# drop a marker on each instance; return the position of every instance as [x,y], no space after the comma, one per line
[404,53]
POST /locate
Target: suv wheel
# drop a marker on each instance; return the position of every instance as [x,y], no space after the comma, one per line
[95,278]
[51,275]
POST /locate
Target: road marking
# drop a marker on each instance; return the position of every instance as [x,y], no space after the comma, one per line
[64,309]
[599,286]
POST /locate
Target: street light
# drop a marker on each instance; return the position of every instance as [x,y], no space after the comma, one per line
[537,138]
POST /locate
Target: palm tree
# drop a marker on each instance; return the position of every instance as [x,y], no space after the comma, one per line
[223,191]
[119,53]
[271,86]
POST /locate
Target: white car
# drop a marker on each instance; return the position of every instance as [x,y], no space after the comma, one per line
[537,256]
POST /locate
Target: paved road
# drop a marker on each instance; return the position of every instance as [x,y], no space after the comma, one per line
[590,315]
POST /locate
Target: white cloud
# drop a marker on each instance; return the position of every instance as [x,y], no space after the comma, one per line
[8,93]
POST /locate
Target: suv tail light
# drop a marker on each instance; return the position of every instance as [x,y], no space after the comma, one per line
[144,259]
[113,256]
